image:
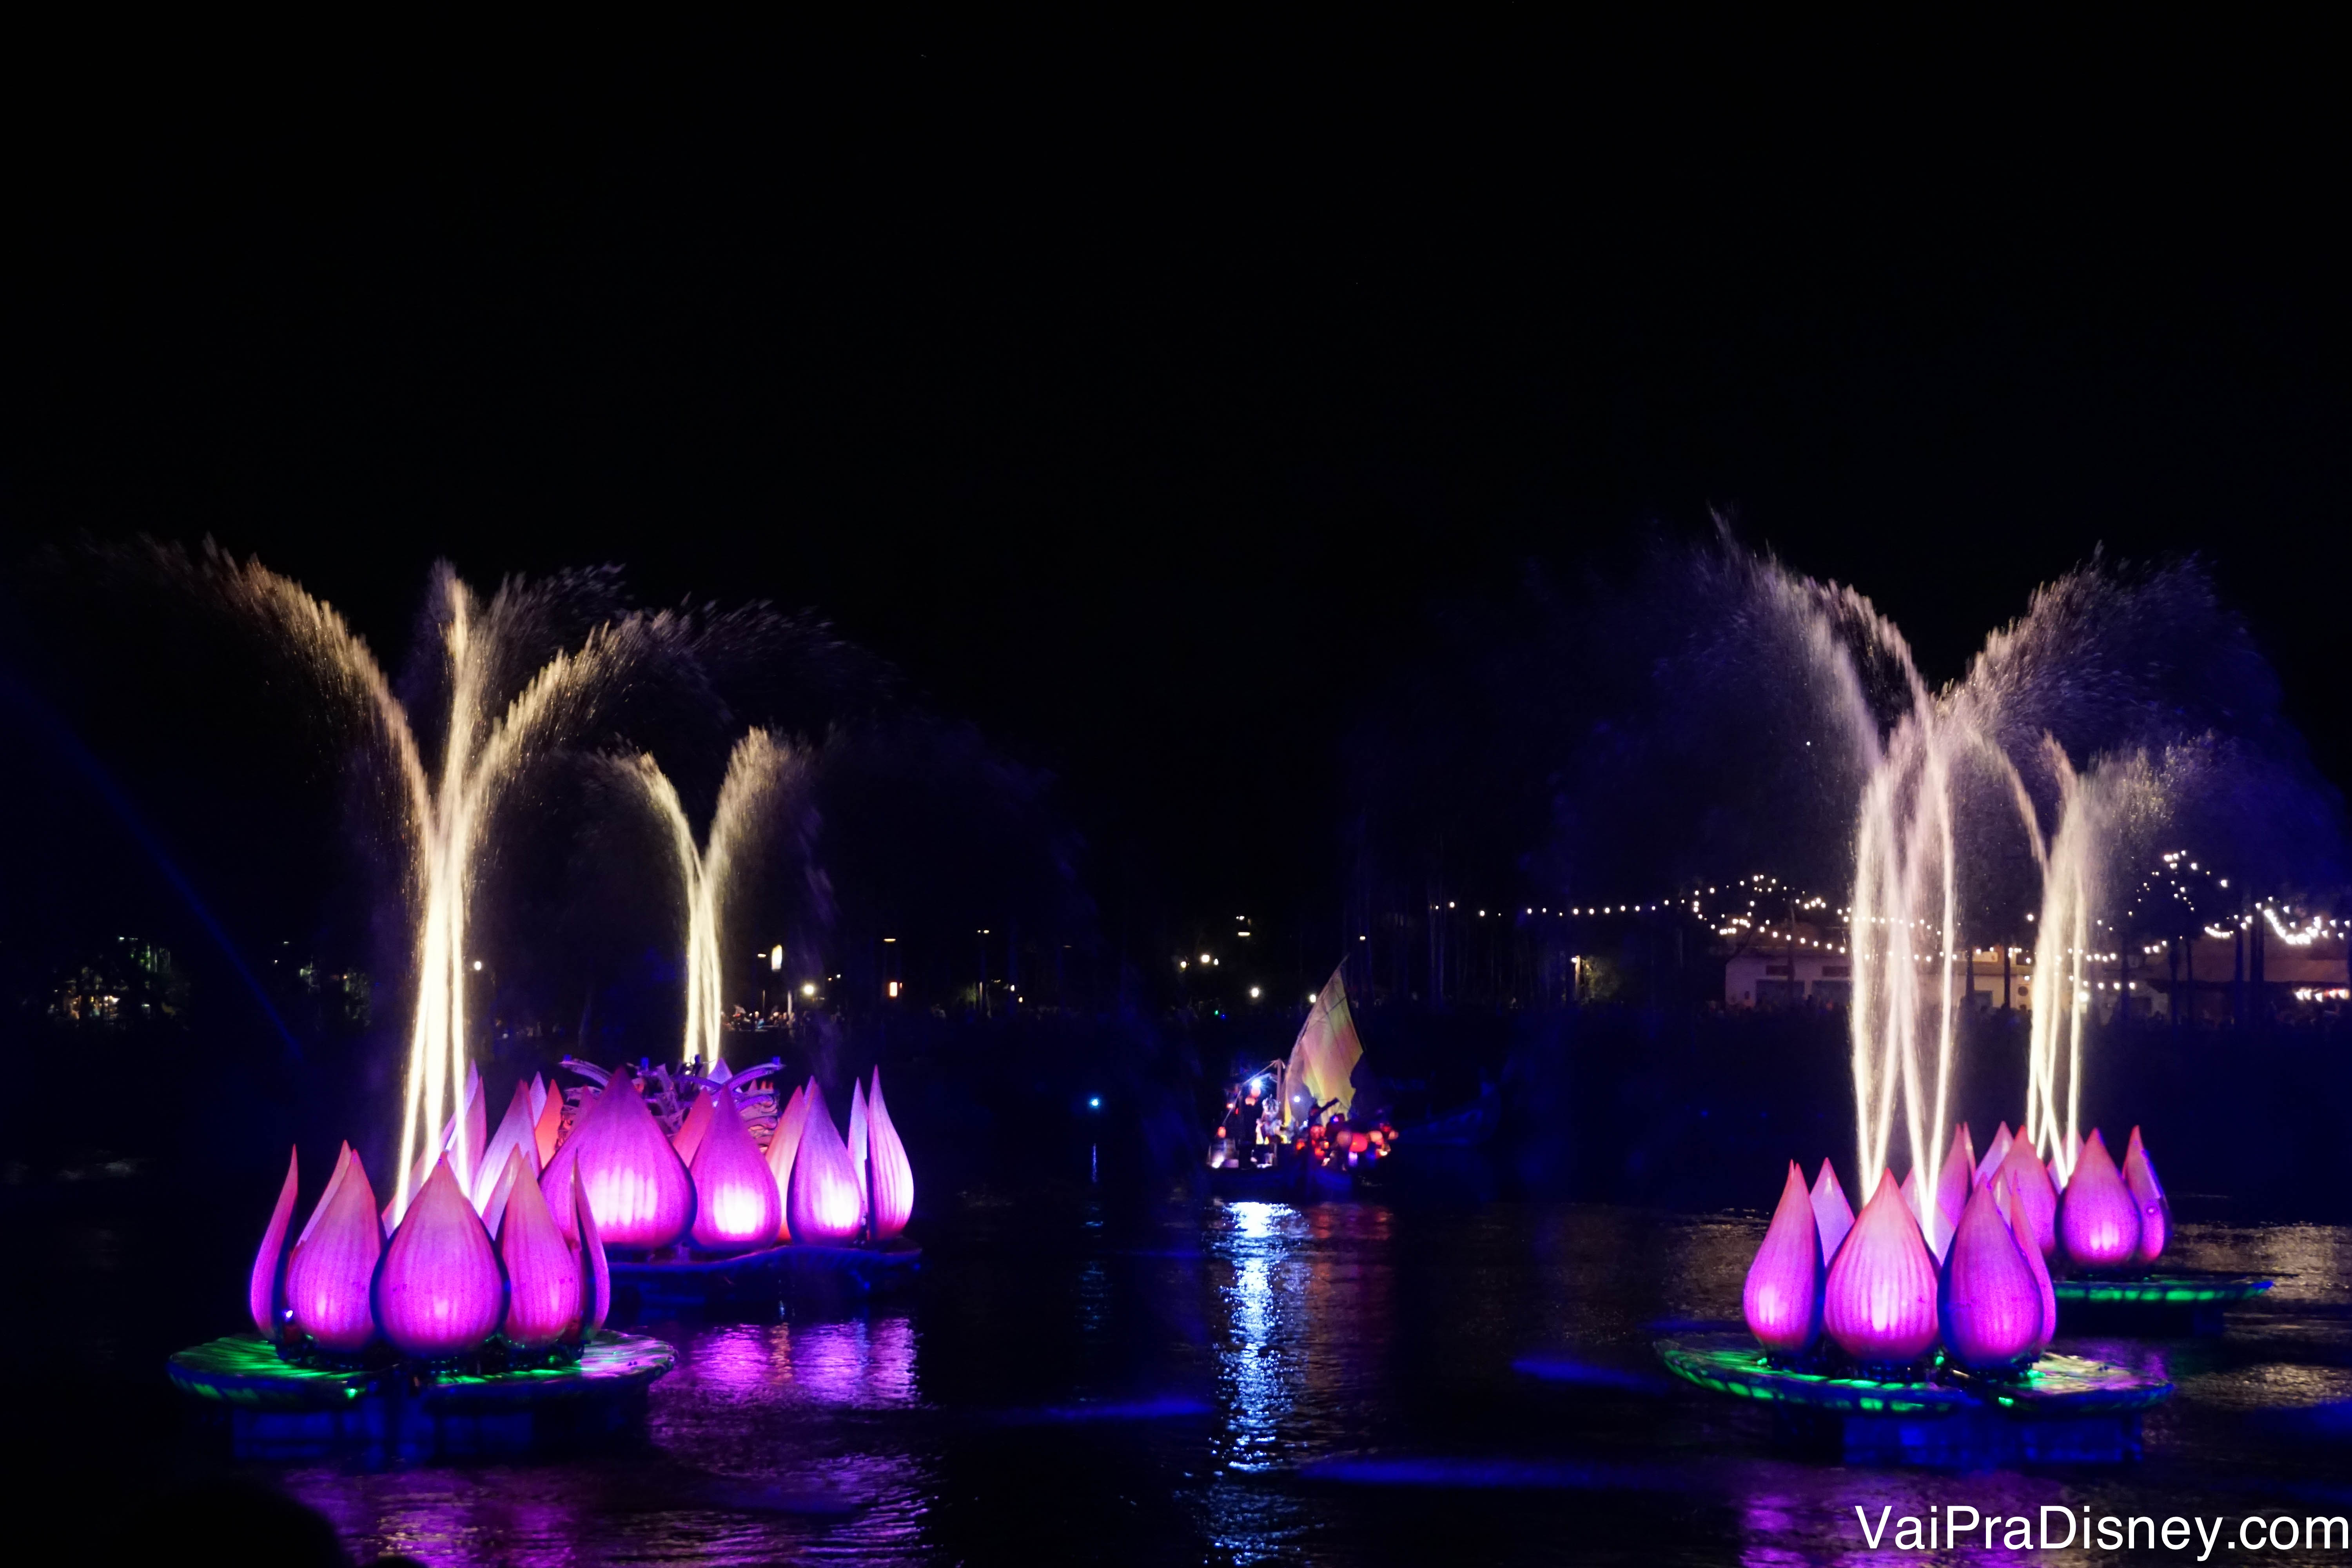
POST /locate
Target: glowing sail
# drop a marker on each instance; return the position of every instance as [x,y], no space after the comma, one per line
[1323,1061]
[1783,1297]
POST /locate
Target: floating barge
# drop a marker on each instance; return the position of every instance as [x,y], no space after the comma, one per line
[276,1410]
[2179,1301]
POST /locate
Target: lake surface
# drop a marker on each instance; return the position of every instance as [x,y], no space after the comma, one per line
[1257,1381]
[1252,1382]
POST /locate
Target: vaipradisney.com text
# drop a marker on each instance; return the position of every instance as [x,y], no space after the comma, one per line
[2055,1526]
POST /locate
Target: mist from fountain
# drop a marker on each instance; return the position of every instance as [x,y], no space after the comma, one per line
[443,811]
[759,771]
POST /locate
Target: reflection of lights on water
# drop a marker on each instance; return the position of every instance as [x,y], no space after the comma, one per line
[859,1363]
[1263,1299]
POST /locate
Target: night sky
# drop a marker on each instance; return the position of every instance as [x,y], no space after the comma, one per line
[1145,419]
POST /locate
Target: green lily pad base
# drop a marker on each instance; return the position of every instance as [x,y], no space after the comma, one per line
[278,1411]
[2059,1409]
[2179,1302]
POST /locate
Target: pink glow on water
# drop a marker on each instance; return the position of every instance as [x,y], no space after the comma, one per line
[1994,1154]
[1992,1307]
[439,1292]
[1833,1216]
[2154,1209]
[542,1273]
[327,1276]
[737,1207]
[2036,1199]
[1880,1305]
[892,1178]
[822,1205]
[2005,1200]
[261,1288]
[642,1195]
[2098,1222]
[1783,1297]
[783,1145]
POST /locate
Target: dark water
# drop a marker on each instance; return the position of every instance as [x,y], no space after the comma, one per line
[1258,1382]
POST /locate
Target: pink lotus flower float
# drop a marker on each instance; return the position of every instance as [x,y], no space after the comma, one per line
[1965,1266]
[447,1284]
[708,1189]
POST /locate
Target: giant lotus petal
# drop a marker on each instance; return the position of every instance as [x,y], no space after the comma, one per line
[737,1207]
[1953,1180]
[784,1142]
[438,1291]
[595,1275]
[1833,1216]
[891,1178]
[2155,1210]
[1991,1306]
[822,1206]
[858,1150]
[515,1130]
[1783,1297]
[2005,1198]
[1995,1152]
[2036,1199]
[1880,1305]
[334,1261]
[697,1123]
[543,1272]
[261,1290]
[2098,1221]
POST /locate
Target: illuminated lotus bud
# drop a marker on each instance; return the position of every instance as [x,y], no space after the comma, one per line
[892,1178]
[736,1204]
[261,1290]
[514,1131]
[1783,1297]
[2154,1209]
[2036,1199]
[1915,1200]
[342,1164]
[595,1272]
[782,1143]
[2005,1199]
[1833,1216]
[697,1123]
[542,1275]
[327,1276]
[821,1205]
[538,1099]
[547,1130]
[643,1196]
[1952,1181]
[2098,1221]
[1991,1308]
[438,1291]
[1994,1155]
[1880,1302]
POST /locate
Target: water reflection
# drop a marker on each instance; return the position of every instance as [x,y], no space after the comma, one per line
[1337,1383]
